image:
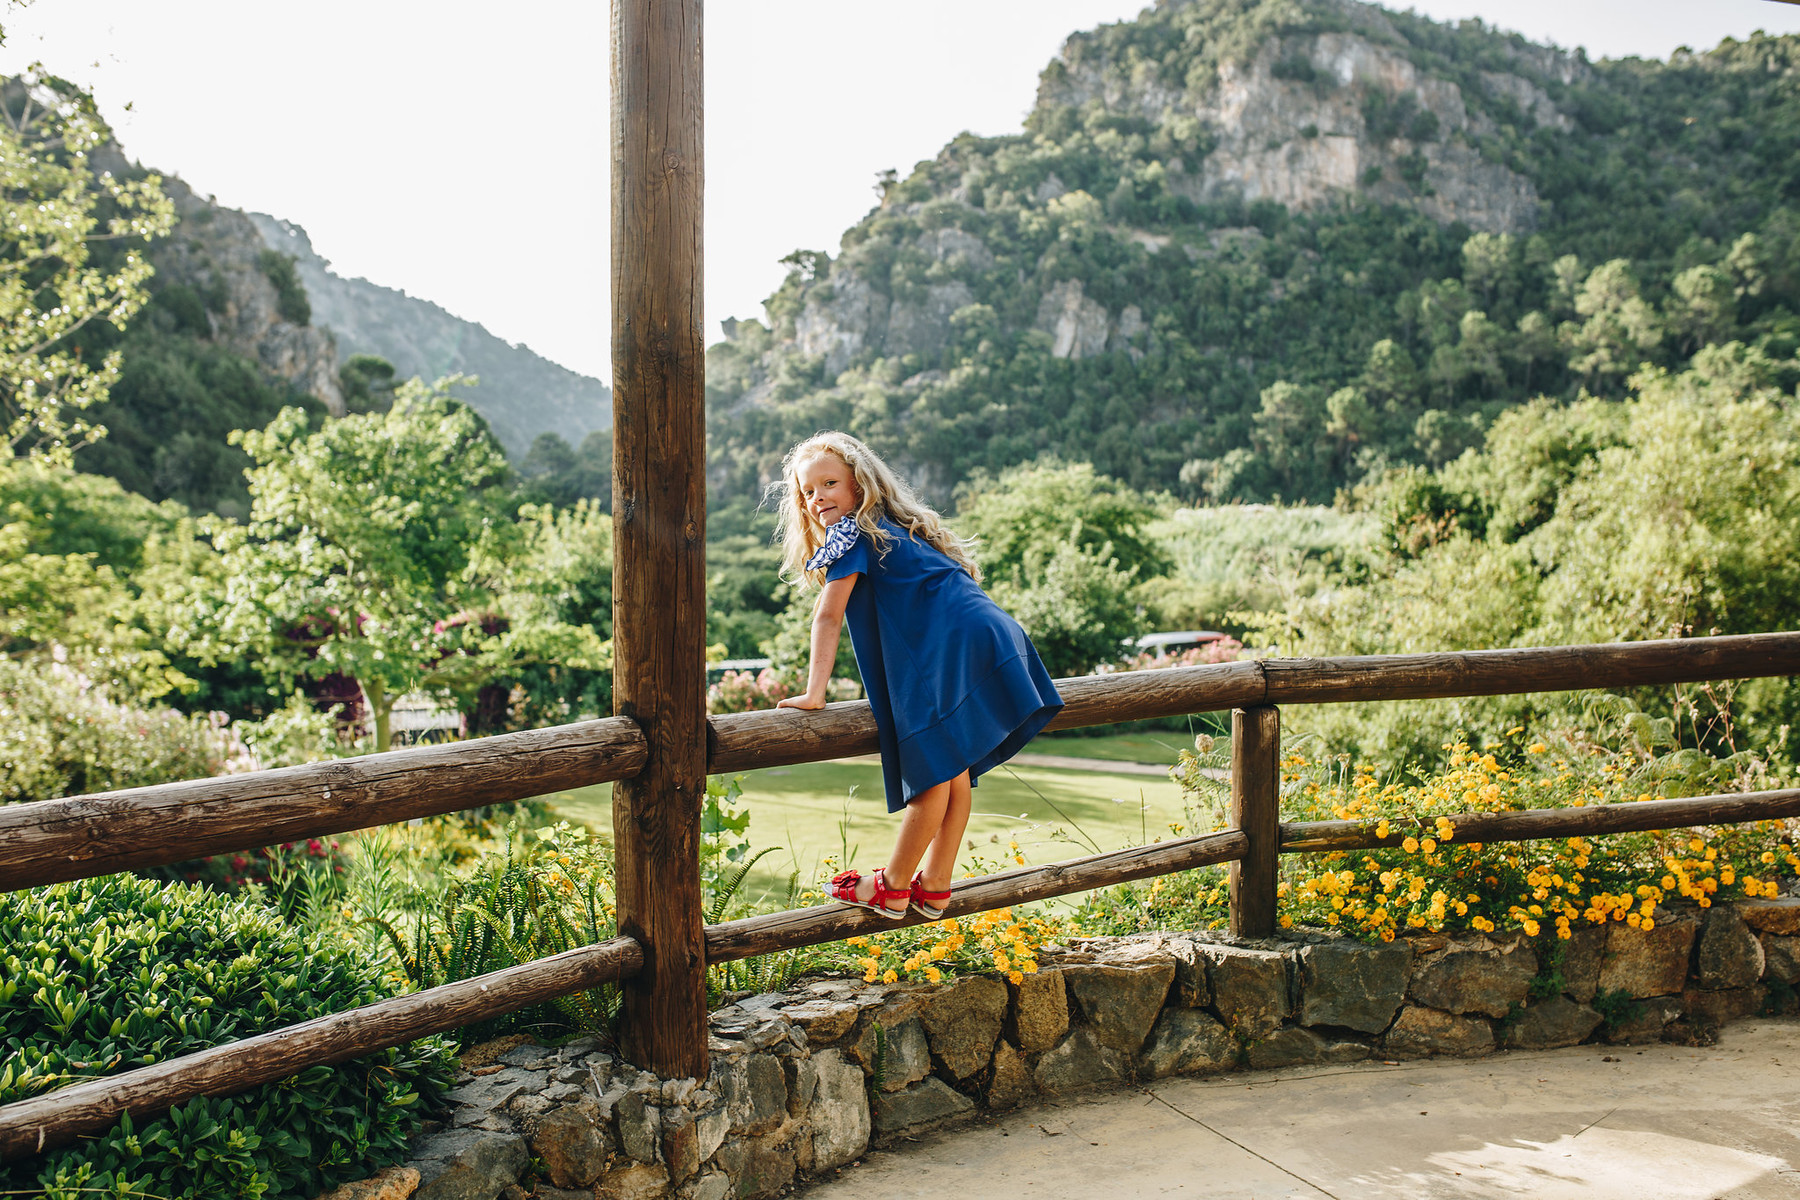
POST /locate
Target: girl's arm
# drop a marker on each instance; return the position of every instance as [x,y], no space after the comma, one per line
[827,627]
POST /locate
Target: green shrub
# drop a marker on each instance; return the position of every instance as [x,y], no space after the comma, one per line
[106,975]
[63,735]
[290,294]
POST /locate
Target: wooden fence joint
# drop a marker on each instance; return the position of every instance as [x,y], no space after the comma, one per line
[1256,810]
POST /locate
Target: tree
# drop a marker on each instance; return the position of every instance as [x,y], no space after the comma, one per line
[1075,602]
[1620,330]
[53,209]
[355,555]
[1028,509]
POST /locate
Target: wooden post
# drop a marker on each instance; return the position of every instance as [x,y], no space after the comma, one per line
[1256,809]
[659,522]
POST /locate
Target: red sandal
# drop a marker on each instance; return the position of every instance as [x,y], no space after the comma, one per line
[931,905]
[842,888]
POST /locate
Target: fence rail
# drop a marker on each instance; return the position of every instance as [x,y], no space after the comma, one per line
[57,840]
[48,841]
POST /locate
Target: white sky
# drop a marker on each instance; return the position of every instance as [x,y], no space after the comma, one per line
[457,150]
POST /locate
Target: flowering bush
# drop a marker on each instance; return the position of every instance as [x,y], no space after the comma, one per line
[989,941]
[1223,650]
[1432,881]
[61,734]
[288,876]
[740,691]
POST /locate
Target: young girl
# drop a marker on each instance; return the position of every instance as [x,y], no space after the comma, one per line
[955,684]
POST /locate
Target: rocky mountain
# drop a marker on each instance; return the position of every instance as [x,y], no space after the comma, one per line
[521,393]
[217,252]
[1258,248]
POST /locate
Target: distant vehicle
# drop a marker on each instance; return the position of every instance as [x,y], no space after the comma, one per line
[1178,640]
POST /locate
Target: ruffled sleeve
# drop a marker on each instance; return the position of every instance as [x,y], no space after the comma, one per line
[845,551]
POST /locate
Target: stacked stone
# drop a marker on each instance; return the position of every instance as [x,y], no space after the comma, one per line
[803,1083]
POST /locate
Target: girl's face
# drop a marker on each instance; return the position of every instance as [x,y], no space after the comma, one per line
[828,490]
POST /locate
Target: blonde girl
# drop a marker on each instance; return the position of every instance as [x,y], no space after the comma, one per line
[955,685]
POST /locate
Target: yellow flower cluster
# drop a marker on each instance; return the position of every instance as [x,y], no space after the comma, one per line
[1426,879]
[990,941]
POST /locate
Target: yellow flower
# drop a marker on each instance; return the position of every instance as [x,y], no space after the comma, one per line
[1410,845]
[933,975]
[890,975]
[1428,846]
[1016,977]
[1536,748]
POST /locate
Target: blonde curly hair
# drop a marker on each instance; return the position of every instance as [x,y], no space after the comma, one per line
[880,493]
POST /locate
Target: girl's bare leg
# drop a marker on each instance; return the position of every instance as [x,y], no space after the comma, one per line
[940,859]
[931,831]
[927,816]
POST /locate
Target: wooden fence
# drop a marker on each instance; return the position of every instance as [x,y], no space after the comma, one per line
[53,840]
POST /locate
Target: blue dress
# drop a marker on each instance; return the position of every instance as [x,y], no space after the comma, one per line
[954,682]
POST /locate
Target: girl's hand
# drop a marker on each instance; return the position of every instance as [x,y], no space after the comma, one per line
[807,702]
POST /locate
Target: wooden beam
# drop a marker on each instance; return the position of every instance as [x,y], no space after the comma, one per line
[832,922]
[48,841]
[85,1109]
[659,521]
[1533,669]
[1256,809]
[1593,820]
[781,737]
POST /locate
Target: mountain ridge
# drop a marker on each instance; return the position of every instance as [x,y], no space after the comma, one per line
[421,337]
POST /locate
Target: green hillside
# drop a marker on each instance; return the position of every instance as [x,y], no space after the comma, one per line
[1247,251]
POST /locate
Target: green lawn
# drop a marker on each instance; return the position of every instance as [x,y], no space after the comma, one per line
[818,809]
[1154,746]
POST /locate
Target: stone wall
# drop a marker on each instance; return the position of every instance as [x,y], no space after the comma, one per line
[804,1082]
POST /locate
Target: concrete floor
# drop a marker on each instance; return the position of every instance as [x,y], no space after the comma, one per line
[1659,1123]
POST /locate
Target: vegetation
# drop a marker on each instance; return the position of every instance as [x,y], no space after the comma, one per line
[110,973]
[1670,513]
[54,210]
[1280,353]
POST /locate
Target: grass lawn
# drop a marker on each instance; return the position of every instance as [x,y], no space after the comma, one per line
[1149,746]
[810,811]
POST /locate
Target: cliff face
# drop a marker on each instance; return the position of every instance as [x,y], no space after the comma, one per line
[521,393]
[215,251]
[1313,118]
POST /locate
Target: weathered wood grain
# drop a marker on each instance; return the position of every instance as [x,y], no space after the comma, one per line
[659,520]
[782,737]
[1590,821]
[48,841]
[84,1109]
[1256,809]
[1534,669]
[833,922]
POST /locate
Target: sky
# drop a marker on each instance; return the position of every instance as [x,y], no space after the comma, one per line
[457,150]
